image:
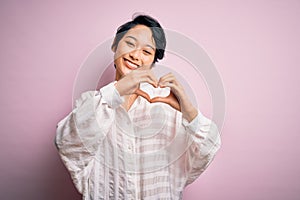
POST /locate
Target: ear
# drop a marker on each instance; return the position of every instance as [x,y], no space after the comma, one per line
[114,46]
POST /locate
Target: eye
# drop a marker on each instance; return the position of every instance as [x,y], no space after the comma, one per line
[147,52]
[130,44]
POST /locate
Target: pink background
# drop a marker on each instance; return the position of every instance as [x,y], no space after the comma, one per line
[254,44]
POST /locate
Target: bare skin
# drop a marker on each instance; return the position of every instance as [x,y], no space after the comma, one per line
[133,57]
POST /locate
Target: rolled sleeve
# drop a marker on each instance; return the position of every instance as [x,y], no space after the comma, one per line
[80,133]
[111,95]
[206,142]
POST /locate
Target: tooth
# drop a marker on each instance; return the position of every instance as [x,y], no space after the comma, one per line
[131,64]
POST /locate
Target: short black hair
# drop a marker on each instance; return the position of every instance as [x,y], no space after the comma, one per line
[157,33]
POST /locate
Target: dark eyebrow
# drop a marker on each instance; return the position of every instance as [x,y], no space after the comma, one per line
[129,36]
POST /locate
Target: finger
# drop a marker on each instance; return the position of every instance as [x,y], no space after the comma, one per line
[149,77]
[173,87]
[144,76]
[169,78]
[166,76]
[168,100]
[171,82]
[148,80]
[168,83]
[143,94]
[144,67]
[153,83]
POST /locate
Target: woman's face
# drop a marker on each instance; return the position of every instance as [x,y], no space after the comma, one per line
[135,49]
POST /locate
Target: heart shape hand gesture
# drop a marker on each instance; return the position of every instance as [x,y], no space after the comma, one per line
[171,99]
[129,84]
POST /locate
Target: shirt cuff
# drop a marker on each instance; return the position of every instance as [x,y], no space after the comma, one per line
[200,127]
[194,124]
[111,95]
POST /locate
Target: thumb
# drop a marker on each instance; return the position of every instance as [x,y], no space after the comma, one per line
[143,94]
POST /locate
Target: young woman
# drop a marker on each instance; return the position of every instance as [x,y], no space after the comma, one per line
[118,143]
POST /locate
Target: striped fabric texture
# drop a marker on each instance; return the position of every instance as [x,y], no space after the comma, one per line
[147,152]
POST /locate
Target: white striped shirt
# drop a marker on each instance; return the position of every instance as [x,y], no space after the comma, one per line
[147,152]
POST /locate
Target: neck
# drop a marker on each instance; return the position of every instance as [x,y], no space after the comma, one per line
[117,77]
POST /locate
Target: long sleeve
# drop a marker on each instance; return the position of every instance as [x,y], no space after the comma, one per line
[79,134]
[206,141]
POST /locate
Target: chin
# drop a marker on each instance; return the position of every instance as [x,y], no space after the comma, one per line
[122,71]
[126,71]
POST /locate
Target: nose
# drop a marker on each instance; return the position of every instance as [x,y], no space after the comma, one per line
[135,54]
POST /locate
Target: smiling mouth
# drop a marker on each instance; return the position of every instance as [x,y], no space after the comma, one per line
[130,64]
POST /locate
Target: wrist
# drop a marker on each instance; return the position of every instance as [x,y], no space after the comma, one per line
[117,86]
[189,112]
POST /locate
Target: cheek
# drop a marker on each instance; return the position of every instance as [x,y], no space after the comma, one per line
[123,49]
[148,59]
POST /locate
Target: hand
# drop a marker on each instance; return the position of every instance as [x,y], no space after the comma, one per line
[171,99]
[177,98]
[129,84]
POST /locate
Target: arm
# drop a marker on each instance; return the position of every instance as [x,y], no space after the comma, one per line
[205,142]
[204,135]
[79,134]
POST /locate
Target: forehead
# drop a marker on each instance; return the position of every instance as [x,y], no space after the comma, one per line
[143,34]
